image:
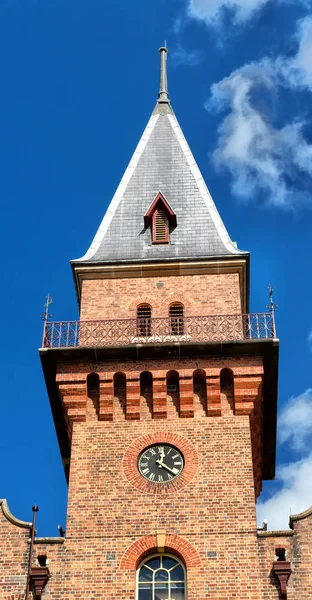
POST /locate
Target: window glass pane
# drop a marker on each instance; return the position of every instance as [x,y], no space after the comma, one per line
[153,563]
[161,591]
[145,574]
[161,575]
[177,591]
[145,592]
[168,562]
[177,574]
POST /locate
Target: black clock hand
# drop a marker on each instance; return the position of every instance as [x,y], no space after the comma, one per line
[173,471]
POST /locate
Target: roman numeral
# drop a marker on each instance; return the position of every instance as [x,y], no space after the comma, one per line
[152,451]
[152,477]
[177,462]
[176,456]
[160,478]
[145,471]
[175,470]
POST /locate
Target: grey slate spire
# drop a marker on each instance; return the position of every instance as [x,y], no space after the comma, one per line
[162,162]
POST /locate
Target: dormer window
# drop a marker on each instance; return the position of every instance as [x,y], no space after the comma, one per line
[160,217]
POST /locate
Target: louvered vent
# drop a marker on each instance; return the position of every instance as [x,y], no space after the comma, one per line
[160,229]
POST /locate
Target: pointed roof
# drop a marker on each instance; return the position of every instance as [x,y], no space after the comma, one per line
[162,162]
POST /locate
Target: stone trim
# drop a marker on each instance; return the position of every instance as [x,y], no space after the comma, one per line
[299,516]
[131,457]
[8,515]
[273,534]
[174,544]
[203,190]
[120,191]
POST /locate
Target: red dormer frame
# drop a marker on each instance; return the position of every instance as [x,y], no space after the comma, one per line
[160,204]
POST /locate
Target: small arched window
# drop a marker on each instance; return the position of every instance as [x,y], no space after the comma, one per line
[176,314]
[144,320]
[161,577]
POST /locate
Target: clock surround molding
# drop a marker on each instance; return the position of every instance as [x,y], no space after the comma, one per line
[130,462]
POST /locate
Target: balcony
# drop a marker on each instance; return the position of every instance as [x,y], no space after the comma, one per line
[174,330]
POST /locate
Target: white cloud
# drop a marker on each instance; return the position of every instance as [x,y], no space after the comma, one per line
[213,11]
[295,494]
[294,497]
[297,71]
[259,156]
[295,423]
[310,338]
[188,58]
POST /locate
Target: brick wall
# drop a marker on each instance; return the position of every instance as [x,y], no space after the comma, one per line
[112,526]
[201,295]
[211,513]
[297,544]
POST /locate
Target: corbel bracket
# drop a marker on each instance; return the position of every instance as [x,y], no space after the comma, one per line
[39,576]
[282,570]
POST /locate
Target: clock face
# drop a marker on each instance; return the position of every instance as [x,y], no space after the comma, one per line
[160,463]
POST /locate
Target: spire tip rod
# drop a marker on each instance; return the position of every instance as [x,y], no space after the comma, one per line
[163,89]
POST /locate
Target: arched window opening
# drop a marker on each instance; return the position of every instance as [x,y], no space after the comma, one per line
[227,389]
[161,577]
[176,315]
[119,396]
[173,393]
[93,395]
[144,320]
[200,392]
[160,228]
[146,394]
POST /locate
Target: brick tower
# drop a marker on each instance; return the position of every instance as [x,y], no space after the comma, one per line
[163,394]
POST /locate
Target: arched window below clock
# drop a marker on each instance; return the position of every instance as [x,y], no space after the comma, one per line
[161,577]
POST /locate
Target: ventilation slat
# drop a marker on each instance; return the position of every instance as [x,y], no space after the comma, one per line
[160,226]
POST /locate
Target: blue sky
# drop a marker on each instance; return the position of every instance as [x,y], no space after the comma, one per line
[79,80]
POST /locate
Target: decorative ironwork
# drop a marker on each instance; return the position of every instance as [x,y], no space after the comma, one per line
[125,332]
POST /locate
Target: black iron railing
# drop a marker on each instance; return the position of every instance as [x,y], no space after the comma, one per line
[125,332]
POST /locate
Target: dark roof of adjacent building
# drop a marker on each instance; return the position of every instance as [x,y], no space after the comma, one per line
[162,162]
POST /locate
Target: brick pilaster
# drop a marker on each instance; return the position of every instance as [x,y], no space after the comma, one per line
[160,395]
[106,397]
[213,395]
[74,398]
[133,396]
[186,393]
[246,391]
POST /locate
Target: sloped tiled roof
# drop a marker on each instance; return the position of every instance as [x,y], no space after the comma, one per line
[162,162]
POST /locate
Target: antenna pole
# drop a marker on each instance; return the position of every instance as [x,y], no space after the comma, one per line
[33,531]
[272,308]
[45,316]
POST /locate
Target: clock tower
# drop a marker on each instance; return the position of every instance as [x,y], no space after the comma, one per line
[163,393]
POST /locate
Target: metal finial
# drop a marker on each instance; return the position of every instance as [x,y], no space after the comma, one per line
[272,306]
[163,90]
[46,315]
